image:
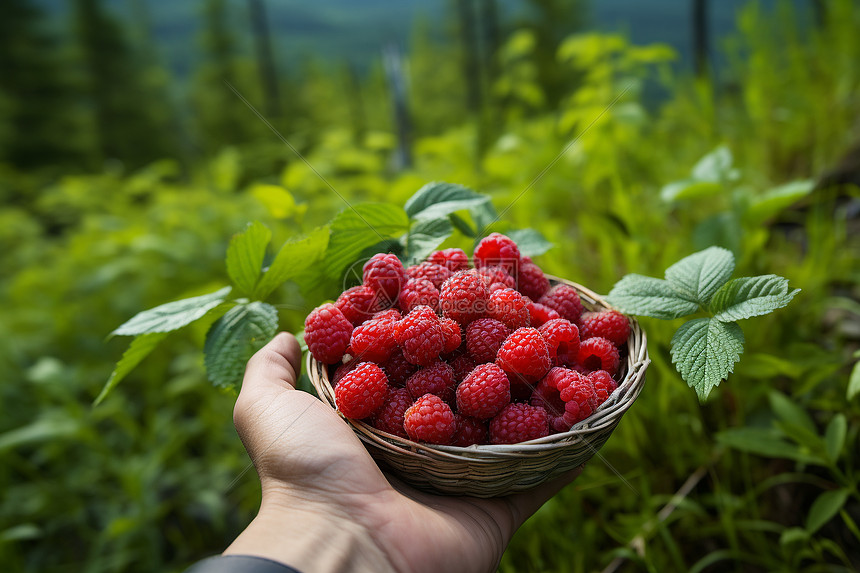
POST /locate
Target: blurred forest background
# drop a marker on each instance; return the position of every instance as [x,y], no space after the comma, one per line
[131,150]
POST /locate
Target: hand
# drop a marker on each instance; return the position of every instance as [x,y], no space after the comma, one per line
[326,506]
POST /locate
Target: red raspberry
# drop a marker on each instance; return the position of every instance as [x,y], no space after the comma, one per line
[470,431]
[327,333]
[497,286]
[547,397]
[361,392]
[462,366]
[384,273]
[541,314]
[438,379]
[420,335]
[567,396]
[343,370]
[464,298]
[416,292]
[518,423]
[497,249]
[509,307]
[389,418]
[397,368]
[452,259]
[603,384]
[492,275]
[373,341]
[392,314]
[484,392]
[562,338]
[484,337]
[609,324]
[531,280]
[430,420]
[433,272]
[564,300]
[599,354]
[453,335]
[358,304]
[525,355]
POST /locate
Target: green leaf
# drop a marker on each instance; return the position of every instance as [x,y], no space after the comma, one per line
[787,411]
[793,535]
[530,242]
[701,274]
[354,230]
[438,199]
[854,382]
[715,166]
[751,296]
[49,426]
[689,189]
[647,296]
[294,257]
[139,349]
[772,202]
[834,436]
[173,315]
[824,508]
[425,236]
[704,351]
[234,338]
[767,442]
[462,225]
[20,533]
[245,256]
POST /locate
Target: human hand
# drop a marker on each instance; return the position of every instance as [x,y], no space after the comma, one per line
[326,505]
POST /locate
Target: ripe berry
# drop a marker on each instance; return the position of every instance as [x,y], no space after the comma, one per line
[358,304]
[509,307]
[343,370]
[518,423]
[397,368]
[484,337]
[564,300]
[438,379]
[462,366]
[493,275]
[453,335]
[360,393]
[541,314]
[524,354]
[567,396]
[562,339]
[497,249]
[392,314]
[470,431]
[389,418]
[327,333]
[384,273]
[599,354]
[608,324]
[531,280]
[433,272]
[420,335]
[373,341]
[430,420]
[484,392]
[603,384]
[452,259]
[464,297]
[416,292]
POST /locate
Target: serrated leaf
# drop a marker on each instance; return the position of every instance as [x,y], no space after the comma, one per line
[294,257]
[173,315]
[425,236]
[689,189]
[824,508]
[705,351]
[354,230]
[701,274]
[715,166]
[834,436]
[854,382]
[530,242]
[767,442]
[750,296]
[438,199]
[139,349]
[234,338]
[648,296]
[245,256]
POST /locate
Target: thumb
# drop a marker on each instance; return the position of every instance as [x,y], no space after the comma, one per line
[273,370]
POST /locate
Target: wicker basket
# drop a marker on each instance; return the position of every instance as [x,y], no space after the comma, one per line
[495,470]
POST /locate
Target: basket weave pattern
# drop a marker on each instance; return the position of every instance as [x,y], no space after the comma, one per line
[495,470]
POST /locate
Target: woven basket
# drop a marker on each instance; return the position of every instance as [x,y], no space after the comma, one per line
[496,470]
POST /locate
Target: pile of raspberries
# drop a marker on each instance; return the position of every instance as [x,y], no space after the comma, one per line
[446,353]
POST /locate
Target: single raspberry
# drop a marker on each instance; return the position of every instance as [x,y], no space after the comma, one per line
[392,314]
[562,338]
[420,335]
[452,259]
[438,379]
[518,423]
[564,300]
[541,314]
[599,354]
[373,341]
[453,335]
[343,370]
[531,280]
[384,273]
[509,307]
[470,431]
[567,396]
[430,420]
[603,384]
[433,272]
[358,304]
[327,333]
[492,275]
[524,354]
[547,397]
[464,297]
[361,392]
[484,392]
[416,292]
[609,324]
[397,368]
[497,249]
[389,417]
[462,365]
[484,337]
[497,286]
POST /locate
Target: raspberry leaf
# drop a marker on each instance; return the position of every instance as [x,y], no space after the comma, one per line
[648,296]
[701,274]
[234,338]
[139,349]
[424,237]
[751,296]
[438,199]
[704,351]
[293,258]
[530,242]
[173,315]
[355,229]
[245,256]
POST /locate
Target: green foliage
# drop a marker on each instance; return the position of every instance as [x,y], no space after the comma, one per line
[705,351]
[172,315]
[234,338]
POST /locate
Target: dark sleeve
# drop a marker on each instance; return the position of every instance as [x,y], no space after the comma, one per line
[239,564]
